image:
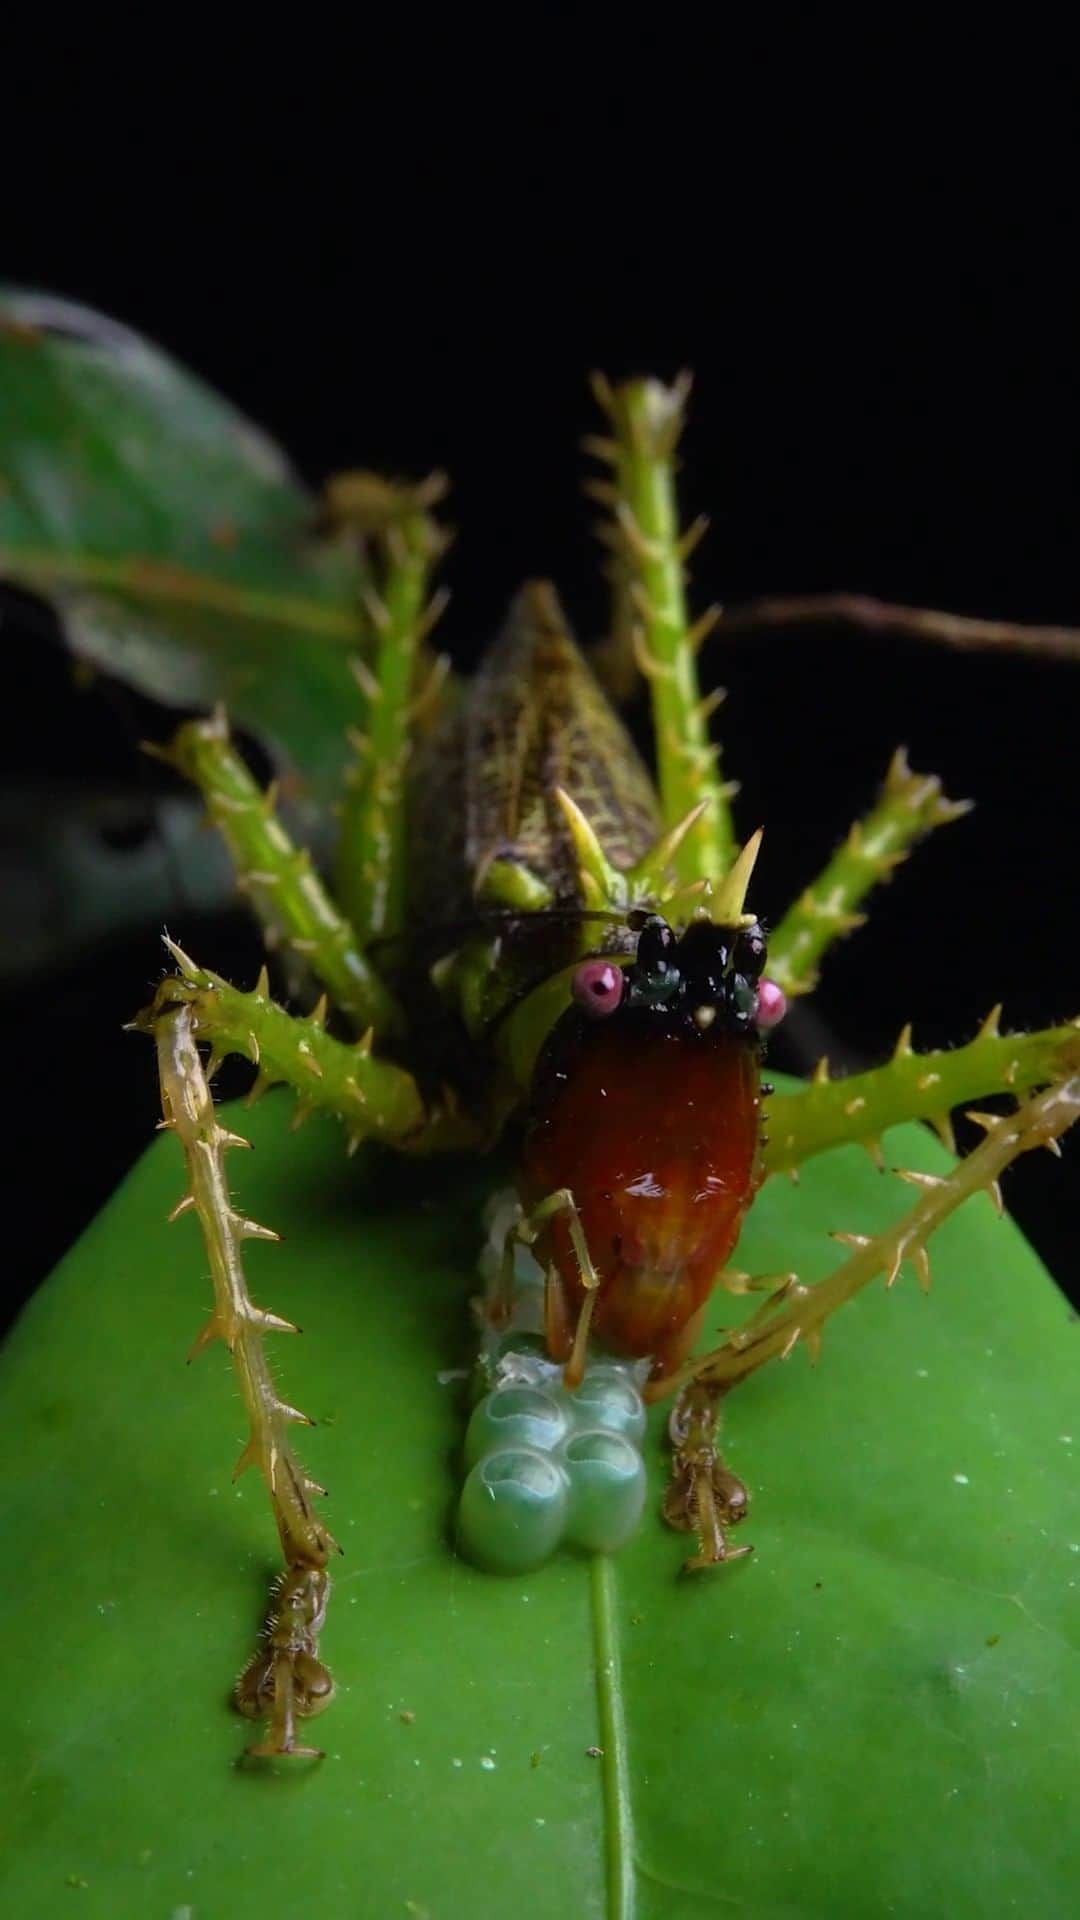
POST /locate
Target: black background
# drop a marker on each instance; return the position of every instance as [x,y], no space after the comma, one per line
[409,251]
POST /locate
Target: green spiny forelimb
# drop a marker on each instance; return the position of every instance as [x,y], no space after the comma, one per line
[286,1678]
[650,574]
[703,1495]
[373,1098]
[796,1312]
[371,862]
[913,1086]
[909,806]
[280,880]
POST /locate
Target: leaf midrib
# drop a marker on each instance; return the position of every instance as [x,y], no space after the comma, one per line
[620,1877]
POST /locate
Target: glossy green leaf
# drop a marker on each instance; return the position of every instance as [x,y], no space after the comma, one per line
[170,533]
[874,1715]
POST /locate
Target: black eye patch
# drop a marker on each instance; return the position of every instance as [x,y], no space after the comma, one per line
[657,977]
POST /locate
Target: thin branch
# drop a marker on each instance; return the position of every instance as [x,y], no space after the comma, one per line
[919,623]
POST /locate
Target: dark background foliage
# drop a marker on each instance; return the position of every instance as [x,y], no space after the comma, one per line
[409,254]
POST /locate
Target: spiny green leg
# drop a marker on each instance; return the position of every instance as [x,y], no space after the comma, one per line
[650,559]
[909,806]
[280,880]
[796,1312]
[370,880]
[373,1098]
[913,1086]
[286,1678]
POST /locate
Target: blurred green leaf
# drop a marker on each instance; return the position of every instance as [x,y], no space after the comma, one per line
[874,1715]
[170,534]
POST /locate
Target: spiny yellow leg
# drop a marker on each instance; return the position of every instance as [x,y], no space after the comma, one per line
[297,1683]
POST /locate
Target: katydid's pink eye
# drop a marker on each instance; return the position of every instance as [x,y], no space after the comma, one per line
[598,987]
[771,1005]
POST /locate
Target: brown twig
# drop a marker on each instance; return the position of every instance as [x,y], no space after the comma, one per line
[919,623]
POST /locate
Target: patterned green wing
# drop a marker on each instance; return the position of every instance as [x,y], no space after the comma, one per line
[538,720]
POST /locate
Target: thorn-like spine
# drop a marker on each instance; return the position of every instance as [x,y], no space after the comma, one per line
[654,865]
[254,1230]
[943,1127]
[274,1322]
[692,539]
[601,491]
[225,1138]
[603,393]
[699,631]
[183,960]
[364,677]
[210,1331]
[260,1085]
[920,1260]
[915,1178]
[293,1415]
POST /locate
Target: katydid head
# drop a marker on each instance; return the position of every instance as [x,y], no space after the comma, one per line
[706,973]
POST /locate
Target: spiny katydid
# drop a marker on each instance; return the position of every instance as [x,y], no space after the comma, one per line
[526,929]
